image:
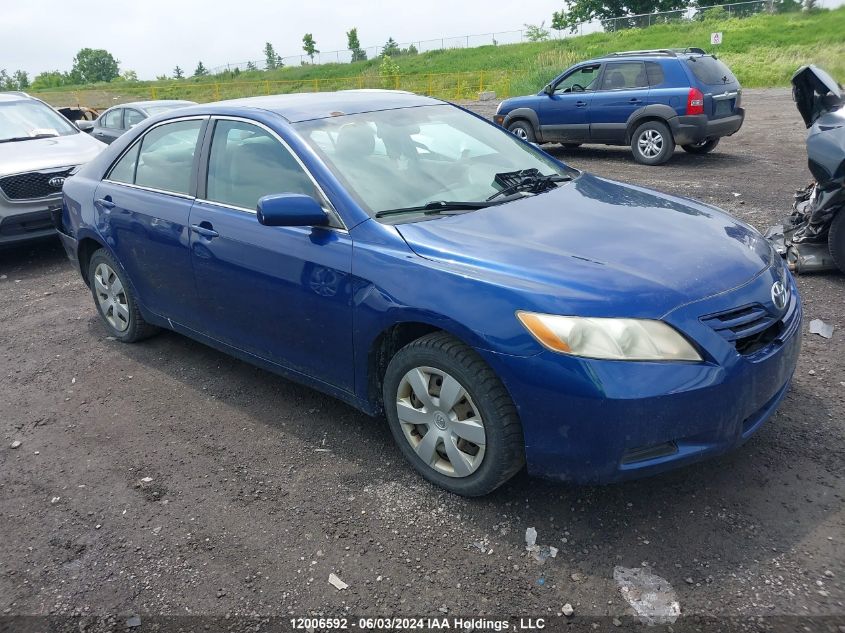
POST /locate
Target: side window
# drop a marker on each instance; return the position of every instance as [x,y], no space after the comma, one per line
[655,73]
[124,169]
[166,156]
[112,118]
[579,80]
[247,163]
[131,117]
[624,75]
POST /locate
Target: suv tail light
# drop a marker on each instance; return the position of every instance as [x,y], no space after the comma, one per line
[695,102]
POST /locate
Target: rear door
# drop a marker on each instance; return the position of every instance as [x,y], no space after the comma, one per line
[563,115]
[109,126]
[143,205]
[623,90]
[722,92]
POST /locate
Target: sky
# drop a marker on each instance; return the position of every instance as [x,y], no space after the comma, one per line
[153,36]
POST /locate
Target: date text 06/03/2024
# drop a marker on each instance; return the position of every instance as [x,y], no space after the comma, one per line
[411,623]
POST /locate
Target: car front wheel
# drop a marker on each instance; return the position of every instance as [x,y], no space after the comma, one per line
[652,143]
[114,300]
[451,416]
[702,147]
[523,130]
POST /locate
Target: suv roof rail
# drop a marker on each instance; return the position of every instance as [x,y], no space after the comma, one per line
[667,52]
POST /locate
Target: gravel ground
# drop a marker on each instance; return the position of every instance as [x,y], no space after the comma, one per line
[166,479]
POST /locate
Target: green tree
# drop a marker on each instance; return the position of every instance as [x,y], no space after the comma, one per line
[178,73]
[22,79]
[559,20]
[92,65]
[50,79]
[6,82]
[251,66]
[604,10]
[352,43]
[389,72]
[536,33]
[787,6]
[201,70]
[391,48]
[129,75]
[269,57]
[811,5]
[309,46]
[411,50]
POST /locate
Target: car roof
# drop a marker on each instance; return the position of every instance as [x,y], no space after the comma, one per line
[14,95]
[652,55]
[307,106]
[148,104]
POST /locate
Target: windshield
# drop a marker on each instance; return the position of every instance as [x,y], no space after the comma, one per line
[31,119]
[410,157]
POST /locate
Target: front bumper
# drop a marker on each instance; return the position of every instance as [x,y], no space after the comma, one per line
[696,128]
[592,421]
[26,220]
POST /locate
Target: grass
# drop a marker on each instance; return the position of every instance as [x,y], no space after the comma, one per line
[762,50]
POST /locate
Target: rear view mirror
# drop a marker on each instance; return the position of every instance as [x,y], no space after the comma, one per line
[548,89]
[291,209]
[85,126]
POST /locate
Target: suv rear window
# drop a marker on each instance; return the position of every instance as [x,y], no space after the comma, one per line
[709,70]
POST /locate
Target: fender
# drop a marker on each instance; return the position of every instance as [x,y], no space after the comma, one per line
[654,110]
[527,114]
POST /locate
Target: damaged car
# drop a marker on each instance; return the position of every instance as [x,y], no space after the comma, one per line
[812,238]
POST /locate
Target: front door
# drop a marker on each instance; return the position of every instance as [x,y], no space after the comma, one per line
[623,90]
[563,114]
[281,293]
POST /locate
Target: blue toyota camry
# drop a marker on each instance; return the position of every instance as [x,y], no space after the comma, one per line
[500,308]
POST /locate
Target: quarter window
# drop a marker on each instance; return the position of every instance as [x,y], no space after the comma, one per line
[624,75]
[112,118]
[655,73]
[247,163]
[163,159]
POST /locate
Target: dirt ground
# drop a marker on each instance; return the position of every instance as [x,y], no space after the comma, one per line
[166,479]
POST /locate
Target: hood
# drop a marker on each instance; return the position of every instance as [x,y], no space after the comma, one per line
[614,248]
[815,92]
[46,153]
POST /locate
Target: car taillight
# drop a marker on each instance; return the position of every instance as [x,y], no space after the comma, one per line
[695,102]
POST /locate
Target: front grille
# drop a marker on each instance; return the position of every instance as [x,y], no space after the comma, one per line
[33,185]
[749,328]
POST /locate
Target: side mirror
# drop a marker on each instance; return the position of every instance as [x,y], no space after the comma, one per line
[291,209]
[549,89]
[85,126]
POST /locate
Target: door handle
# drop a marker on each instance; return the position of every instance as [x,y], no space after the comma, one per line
[580,104]
[205,229]
[106,202]
[635,100]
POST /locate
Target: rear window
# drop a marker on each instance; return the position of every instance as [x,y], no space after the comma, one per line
[709,70]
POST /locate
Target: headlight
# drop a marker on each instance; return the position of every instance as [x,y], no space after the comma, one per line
[613,339]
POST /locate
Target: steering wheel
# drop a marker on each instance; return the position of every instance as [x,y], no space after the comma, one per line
[576,88]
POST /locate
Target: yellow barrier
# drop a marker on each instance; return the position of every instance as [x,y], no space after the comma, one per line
[449,86]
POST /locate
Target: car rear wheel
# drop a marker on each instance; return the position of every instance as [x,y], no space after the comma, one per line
[114,300]
[836,240]
[523,130]
[451,416]
[652,143]
[702,147]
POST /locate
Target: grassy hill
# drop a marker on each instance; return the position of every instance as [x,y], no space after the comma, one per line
[762,50]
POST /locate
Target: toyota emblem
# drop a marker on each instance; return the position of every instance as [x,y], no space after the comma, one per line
[780,295]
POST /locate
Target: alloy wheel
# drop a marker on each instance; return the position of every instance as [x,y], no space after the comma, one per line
[520,133]
[650,143]
[440,421]
[112,297]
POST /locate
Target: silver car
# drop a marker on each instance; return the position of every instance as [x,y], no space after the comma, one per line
[39,148]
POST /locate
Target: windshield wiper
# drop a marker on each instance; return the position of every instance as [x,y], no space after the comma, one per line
[437,206]
[14,139]
[530,181]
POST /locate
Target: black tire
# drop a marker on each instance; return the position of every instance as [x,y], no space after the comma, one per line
[571,145]
[836,240]
[136,329]
[504,449]
[702,147]
[524,130]
[655,130]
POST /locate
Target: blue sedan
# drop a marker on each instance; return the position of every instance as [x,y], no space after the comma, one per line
[500,308]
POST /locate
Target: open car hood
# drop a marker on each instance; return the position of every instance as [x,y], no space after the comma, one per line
[815,92]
